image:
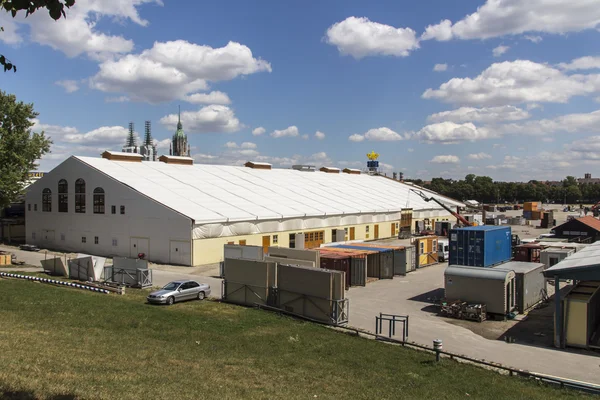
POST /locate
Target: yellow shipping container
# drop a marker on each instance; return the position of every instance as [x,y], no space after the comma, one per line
[530,206]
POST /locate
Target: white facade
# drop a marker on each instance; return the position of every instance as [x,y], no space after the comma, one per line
[184,214]
[145,227]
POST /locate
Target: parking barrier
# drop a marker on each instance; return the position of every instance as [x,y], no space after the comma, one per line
[53,281]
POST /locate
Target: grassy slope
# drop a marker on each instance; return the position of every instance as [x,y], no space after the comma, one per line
[61,341]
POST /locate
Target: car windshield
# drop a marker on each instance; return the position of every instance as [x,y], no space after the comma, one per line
[172,286]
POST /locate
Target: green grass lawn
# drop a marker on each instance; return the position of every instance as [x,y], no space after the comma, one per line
[63,343]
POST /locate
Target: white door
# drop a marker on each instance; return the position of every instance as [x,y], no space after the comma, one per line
[139,245]
[179,252]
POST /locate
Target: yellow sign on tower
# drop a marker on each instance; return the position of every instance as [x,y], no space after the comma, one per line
[373,156]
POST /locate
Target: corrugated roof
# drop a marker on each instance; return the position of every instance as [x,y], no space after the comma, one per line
[217,193]
[583,265]
[591,222]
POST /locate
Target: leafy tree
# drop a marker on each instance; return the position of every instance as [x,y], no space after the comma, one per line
[19,146]
[56,9]
[573,194]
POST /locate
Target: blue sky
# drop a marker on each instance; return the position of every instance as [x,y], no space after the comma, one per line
[506,88]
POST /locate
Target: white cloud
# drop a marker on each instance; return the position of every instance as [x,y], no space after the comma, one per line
[172,70]
[360,37]
[248,145]
[319,135]
[258,131]
[479,156]
[440,67]
[215,97]
[10,35]
[548,139]
[584,149]
[533,39]
[305,136]
[513,82]
[162,144]
[119,99]
[569,123]
[450,133]
[587,62]
[498,51]
[445,159]
[70,86]
[533,106]
[485,114]
[410,150]
[513,17]
[231,145]
[209,119]
[319,156]
[382,134]
[441,31]
[290,131]
[78,34]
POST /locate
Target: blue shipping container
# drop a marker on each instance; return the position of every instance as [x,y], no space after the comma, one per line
[480,246]
[527,214]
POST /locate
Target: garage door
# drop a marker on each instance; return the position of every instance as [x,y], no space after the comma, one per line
[179,252]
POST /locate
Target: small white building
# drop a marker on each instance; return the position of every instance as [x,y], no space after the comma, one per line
[179,213]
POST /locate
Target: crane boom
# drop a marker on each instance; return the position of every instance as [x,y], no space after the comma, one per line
[456,215]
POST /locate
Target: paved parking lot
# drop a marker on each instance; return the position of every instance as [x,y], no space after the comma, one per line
[408,296]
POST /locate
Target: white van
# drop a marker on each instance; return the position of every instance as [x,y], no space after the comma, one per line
[443,249]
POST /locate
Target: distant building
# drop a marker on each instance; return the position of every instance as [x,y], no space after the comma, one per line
[585,228]
[588,179]
[179,145]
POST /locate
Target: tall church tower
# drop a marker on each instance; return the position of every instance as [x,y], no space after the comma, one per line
[179,146]
[130,144]
[148,149]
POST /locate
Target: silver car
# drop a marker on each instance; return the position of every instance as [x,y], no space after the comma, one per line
[179,291]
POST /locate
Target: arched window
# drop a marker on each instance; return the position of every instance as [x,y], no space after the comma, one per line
[98,200]
[80,196]
[63,196]
[47,200]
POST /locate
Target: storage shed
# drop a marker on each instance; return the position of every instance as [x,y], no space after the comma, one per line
[380,261]
[530,283]
[583,266]
[581,307]
[493,287]
[426,249]
[399,255]
[553,255]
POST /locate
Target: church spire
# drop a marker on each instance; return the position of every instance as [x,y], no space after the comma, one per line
[131,137]
[148,134]
[179,126]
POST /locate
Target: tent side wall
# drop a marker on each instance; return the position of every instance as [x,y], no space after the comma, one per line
[210,250]
[146,226]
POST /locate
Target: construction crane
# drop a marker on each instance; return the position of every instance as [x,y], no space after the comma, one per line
[461,220]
